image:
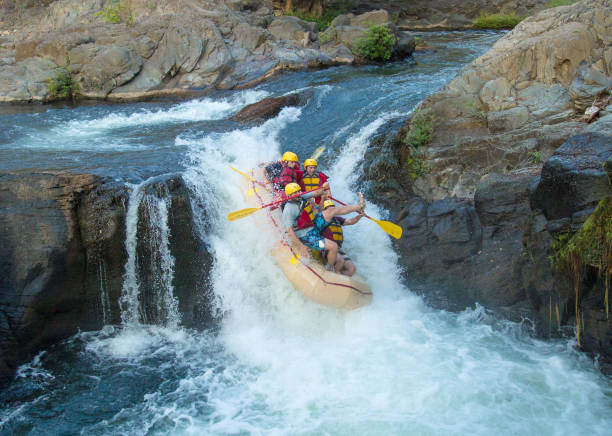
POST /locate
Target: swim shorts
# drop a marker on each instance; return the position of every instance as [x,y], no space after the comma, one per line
[313,240]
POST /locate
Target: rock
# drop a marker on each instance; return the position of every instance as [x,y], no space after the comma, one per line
[532,79]
[299,32]
[63,258]
[443,14]
[177,49]
[574,179]
[270,107]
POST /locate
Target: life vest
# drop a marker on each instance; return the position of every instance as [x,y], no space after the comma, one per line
[312,182]
[306,216]
[335,229]
[285,176]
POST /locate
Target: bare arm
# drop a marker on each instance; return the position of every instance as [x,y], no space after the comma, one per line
[353,220]
[301,249]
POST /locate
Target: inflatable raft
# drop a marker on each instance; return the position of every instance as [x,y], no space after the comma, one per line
[308,276]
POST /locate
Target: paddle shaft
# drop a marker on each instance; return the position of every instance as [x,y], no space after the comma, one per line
[249,177]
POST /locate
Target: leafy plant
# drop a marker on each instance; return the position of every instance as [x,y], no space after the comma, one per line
[419,135]
[62,86]
[421,128]
[556,3]
[377,44]
[475,111]
[536,157]
[590,247]
[497,21]
[117,12]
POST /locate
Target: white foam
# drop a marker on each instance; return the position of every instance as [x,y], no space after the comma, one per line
[194,110]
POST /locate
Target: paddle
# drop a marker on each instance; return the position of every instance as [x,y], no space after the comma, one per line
[318,152]
[389,227]
[233,216]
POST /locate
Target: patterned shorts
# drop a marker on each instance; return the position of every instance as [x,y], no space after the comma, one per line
[313,240]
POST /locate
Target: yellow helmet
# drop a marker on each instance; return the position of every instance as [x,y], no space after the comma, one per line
[328,203]
[310,162]
[289,156]
[292,188]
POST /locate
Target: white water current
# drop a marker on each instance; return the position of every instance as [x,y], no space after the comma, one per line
[395,367]
[280,364]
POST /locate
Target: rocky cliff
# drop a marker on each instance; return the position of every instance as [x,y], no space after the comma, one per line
[506,171]
[63,257]
[140,49]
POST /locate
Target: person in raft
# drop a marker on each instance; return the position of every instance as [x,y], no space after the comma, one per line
[312,178]
[333,230]
[285,171]
[300,232]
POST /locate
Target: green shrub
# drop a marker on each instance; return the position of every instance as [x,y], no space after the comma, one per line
[536,157]
[589,247]
[419,135]
[421,128]
[496,21]
[62,86]
[117,12]
[377,44]
[555,3]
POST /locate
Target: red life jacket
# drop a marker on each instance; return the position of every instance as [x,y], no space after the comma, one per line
[287,175]
[306,216]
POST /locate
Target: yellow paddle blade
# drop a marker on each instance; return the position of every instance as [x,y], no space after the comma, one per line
[318,152]
[252,191]
[236,215]
[244,174]
[389,227]
[294,260]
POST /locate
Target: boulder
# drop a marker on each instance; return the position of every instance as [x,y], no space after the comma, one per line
[574,178]
[270,107]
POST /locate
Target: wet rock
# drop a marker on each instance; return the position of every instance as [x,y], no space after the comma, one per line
[270,107]
[63,258]
[574,178]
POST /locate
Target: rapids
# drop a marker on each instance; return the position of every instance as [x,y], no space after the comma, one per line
[277,363]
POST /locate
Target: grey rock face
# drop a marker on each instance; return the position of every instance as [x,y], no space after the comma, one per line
[63,258]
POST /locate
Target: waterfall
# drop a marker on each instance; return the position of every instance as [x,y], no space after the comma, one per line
[147,296]
[104,298]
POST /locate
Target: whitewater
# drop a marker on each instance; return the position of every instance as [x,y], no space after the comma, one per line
[276,363]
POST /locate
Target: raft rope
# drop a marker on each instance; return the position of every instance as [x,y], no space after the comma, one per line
[298,258]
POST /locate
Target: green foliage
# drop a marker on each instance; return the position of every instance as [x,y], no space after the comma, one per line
[536,157]
[496,21]
[555,3]
[324,38]
[117,12]
[330,11]
[419,135]
[377,44]
[419,41]
[591,246]
[475,111]
[62,86]
[421,128]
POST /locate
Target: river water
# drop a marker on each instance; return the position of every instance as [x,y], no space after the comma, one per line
[277,363]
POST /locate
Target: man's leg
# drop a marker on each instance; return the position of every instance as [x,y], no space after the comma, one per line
[349,268]
[332,252]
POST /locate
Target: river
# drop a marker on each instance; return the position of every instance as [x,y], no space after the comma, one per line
[277,363]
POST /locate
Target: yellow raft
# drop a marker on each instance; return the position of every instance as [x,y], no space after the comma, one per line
[308,276]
